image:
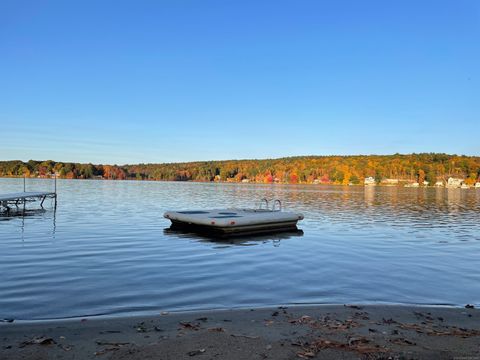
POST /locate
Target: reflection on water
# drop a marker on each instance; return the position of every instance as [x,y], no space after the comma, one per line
[108,250]
[241,240]
[21,212]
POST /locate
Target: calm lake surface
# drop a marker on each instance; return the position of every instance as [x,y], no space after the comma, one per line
[107,249]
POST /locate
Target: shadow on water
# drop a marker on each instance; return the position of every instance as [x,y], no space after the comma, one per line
[239,240]
[20,213]
[23,214]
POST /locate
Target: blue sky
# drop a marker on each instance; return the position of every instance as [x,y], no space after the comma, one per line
[164,81]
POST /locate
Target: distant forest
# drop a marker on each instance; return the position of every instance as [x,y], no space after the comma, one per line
[345,170]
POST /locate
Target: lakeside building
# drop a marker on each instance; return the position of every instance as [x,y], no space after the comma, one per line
[369,181]
[425,183]
[477,185]
[454,182]
[415,184]
[390,181]
[439,184]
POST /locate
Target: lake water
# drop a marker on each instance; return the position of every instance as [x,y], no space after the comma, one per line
[107,250]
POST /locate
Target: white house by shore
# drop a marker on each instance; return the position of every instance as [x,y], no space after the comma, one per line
[455,182]
[369,181]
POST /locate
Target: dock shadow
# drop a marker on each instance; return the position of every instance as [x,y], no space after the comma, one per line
[14,213]
[238,240]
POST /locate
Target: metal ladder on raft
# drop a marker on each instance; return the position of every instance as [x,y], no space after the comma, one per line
[274,206]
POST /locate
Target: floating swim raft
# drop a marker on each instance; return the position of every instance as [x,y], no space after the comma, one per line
[235,221]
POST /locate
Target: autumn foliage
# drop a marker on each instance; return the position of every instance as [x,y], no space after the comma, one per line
[429,167]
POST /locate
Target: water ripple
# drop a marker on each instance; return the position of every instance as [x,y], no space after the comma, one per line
[108,250]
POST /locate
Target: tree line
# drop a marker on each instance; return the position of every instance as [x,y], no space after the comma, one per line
[345,170]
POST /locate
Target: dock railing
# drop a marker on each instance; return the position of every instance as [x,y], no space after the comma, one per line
[15,199]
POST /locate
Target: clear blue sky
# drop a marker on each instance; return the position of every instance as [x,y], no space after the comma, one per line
[163,81]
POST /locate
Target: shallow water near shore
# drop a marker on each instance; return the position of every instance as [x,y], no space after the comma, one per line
[107,249]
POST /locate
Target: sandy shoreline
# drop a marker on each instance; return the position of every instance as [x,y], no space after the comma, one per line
[320,332]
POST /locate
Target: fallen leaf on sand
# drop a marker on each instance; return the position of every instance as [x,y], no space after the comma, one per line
[402,342]
[418,328]
[428,316]
[38,340]
[110,332]
[244,336]
[189,325]
[100,342]
[196,352]
[65,347]
[357,341]
[305,319]
[217,329]
[326,322]
[305,354]
[358,344]
[104,351]
[361,315]
[454,331]
[425,328]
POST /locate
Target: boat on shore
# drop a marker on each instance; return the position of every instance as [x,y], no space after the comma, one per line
[234,221]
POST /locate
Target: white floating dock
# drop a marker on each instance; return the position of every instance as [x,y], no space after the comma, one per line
[234,221]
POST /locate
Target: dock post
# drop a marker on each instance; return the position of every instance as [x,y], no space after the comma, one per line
[55,191]
[24,189]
